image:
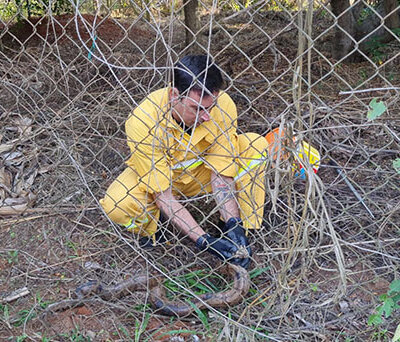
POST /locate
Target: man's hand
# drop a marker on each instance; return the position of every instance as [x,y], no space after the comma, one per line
[235,232]
[178,214]
[219,247]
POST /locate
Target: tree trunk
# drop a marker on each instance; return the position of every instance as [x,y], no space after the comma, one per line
[378,34]
[343,42]
[392,20]
[192,23]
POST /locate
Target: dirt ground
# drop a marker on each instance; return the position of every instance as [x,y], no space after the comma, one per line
[71,145]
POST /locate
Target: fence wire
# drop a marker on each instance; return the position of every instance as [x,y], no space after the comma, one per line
[70,75]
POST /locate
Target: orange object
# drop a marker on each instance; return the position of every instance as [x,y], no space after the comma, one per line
[275,143]
[305,154]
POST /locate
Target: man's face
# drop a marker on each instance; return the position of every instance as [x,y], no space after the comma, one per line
[194,105]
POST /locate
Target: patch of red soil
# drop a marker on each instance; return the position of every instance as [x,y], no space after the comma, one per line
[66,321]
[70,28]
[370,284]
[83,311]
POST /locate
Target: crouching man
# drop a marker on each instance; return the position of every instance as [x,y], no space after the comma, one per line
[184,143]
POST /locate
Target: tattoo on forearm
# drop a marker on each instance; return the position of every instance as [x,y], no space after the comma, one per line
[223,192]
[225,197]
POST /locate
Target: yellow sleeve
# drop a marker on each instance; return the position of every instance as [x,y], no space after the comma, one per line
[147,155]
[223,138]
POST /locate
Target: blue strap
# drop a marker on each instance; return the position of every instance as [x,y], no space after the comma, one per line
[93,48]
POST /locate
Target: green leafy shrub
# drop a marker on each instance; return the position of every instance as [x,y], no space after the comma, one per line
[390,303]
[22,9]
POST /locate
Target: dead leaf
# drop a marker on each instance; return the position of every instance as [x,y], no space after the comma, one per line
[24,126]
[31,178]
[23,181]
[5,178]
[9,201]
[11,155]
[6,148]
[5,183]
[12,206]
[13,158]
[45,169]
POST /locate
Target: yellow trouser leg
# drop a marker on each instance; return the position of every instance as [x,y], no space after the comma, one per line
[250,182]
[127,205]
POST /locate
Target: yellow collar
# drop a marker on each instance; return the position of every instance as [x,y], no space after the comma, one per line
[167,121]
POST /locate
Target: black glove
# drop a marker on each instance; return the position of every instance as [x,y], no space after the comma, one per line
[234,231]
[219,247]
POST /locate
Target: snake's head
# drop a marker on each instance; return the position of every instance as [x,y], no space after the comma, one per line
[242,253]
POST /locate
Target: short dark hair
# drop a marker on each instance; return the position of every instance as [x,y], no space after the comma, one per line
[196,72]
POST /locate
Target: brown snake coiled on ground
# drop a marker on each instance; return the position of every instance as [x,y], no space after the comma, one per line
[158,299]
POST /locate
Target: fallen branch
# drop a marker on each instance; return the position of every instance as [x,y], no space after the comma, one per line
[47,212]
[15,295]
[367,90]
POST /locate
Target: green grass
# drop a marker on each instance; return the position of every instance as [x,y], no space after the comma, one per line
[197,281]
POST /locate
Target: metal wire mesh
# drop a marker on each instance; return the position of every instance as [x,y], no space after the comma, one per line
[68,83]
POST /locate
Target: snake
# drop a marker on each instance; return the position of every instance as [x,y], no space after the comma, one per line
[158,299]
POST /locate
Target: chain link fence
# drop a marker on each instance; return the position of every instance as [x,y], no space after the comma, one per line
[70,75]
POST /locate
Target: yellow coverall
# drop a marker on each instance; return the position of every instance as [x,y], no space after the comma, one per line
[164,155]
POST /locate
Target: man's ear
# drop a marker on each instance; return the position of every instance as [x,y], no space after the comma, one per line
[173,94]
